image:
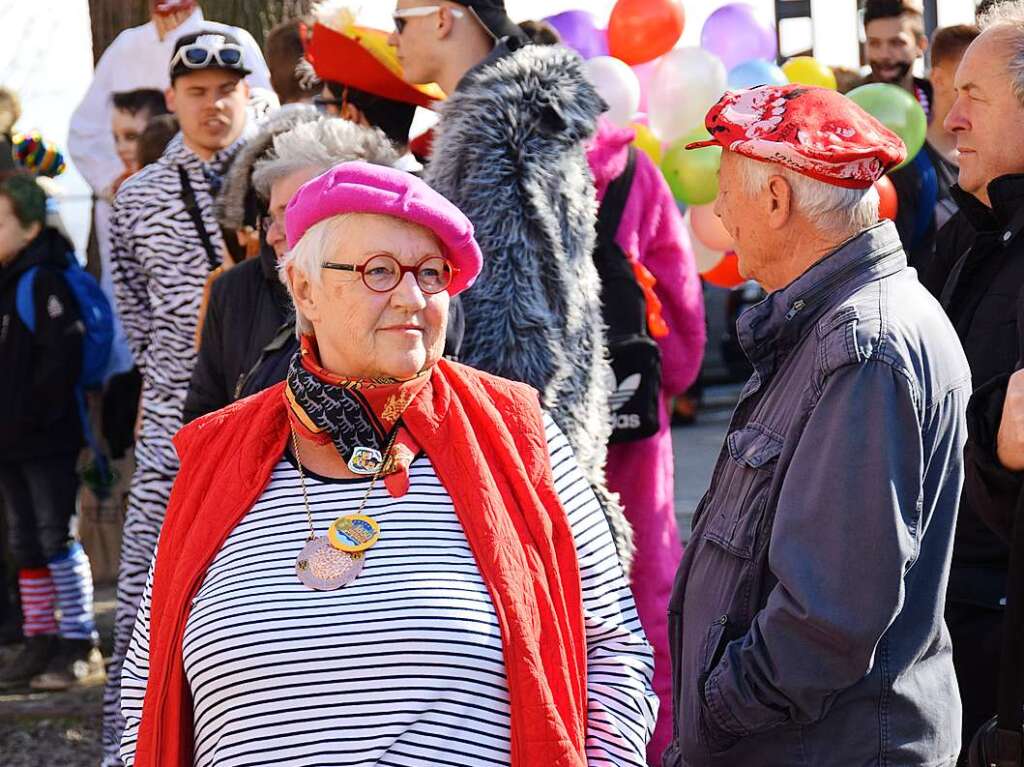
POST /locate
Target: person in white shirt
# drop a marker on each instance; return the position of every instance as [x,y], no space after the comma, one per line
[137,58]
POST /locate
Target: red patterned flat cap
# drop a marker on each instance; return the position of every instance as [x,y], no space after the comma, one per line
[814,131]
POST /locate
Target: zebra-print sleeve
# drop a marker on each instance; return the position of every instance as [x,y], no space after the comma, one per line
[129,275]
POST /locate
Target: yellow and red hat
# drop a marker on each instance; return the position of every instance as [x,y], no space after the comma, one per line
[342,52]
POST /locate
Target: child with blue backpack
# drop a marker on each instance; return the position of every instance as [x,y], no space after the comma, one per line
[49,321]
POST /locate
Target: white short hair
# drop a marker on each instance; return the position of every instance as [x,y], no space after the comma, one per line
[833,209]
[308,256]
[1007,19]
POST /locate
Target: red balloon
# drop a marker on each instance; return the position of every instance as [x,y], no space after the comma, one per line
[727,272]
[889,203]
[642,30]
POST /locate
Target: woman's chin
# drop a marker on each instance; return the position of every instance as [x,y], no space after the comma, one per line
[402,366]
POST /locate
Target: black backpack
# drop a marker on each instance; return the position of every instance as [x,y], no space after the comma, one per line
[635,399]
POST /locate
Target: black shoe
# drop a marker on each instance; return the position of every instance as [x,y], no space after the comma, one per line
[33,659]
[77,663]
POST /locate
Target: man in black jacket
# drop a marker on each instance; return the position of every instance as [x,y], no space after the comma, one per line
[978,273]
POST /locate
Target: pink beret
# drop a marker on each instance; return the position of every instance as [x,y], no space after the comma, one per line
[359,187]
[814,131]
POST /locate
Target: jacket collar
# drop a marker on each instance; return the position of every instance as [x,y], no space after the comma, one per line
[1006,213]
[502,48]
[49,247]
[177,153]
[772,327]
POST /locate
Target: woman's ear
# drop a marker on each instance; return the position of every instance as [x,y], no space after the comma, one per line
[302,293]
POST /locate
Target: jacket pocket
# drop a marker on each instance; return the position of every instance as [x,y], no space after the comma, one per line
[743,489]
[718,637]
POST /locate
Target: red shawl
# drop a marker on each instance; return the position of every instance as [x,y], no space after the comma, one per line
[485,438]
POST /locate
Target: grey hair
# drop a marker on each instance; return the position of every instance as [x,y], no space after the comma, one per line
[307,256]
[832,209]
[1007,19]
[321,144]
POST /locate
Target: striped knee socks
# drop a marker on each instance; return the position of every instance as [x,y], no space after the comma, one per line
[72,579]
[37,601]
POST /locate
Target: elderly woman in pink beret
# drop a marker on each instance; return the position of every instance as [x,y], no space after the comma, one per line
[389,558]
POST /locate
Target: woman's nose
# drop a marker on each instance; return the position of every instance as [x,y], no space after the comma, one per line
[407,293]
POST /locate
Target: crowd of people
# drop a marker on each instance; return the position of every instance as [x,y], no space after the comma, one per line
[399,406]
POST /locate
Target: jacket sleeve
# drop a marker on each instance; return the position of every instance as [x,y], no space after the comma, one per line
[90,140]
[135,674]
[665,250]
[991,489]
[207,391]
[621,704]
[847,514]
[128,273]
[57,347]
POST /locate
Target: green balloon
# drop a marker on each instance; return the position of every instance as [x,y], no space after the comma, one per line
[897,110]
[692,175]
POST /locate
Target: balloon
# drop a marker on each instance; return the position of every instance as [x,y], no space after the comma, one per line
[726,273]
[756,72]
[642,30]
[889,203]
[739,32]
[617,85]
[645,73]
[692,175]
[686,84]
[578,31]
[897,110]
[708,227]
[704,257]
[806,70]
[648,143]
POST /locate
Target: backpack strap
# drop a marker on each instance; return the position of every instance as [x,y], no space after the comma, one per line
[188,196]
[25,299]
[615,198]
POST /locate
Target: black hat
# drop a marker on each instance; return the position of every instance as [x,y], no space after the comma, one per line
[207,49]
[491,13]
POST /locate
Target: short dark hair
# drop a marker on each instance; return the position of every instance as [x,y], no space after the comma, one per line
[949,43]
[392,117]
[540,32]
[155,137]
[892,9]
[27,198]
[147,100]
[284,52]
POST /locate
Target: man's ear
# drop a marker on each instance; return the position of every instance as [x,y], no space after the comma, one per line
[354,114]
[780,198]
[445,22]
[169,98]
[922,44]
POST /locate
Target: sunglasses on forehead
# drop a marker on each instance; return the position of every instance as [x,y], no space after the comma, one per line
[198,55]
[402,15]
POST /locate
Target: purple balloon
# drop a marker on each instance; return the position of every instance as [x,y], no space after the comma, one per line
[737,33]
[578,31]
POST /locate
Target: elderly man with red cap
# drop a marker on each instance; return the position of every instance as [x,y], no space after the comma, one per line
[401,561]
[806,621]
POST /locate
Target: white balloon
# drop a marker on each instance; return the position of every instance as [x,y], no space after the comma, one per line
[686,84]
[618,85]
[705,258]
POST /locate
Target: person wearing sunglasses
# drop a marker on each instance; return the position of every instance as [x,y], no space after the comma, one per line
[165,245]
[399,561]
[509,151]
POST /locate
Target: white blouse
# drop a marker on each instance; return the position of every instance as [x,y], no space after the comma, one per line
[404,665]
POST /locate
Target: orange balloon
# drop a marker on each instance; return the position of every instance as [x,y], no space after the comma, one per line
[889,204]
[727,273]
[708,228]
[642,30]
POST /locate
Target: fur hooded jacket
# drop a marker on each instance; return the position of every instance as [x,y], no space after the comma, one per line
[509,151]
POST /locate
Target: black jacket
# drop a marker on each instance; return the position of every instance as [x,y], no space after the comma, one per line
[909,184]
[978,273]
[38,371]
[249,336]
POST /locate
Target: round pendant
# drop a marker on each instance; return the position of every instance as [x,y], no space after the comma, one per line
[322,567]
[353,533]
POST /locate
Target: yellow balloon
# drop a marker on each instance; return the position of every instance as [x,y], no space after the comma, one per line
[648,143]
[807,70]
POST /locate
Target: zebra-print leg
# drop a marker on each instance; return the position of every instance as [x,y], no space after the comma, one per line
[147,502]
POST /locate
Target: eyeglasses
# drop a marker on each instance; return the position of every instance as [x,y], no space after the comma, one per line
[198,55]
[383,273]
[267,222]
[324,104]
[401,14]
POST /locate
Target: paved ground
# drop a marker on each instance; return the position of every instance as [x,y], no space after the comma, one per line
[63,730]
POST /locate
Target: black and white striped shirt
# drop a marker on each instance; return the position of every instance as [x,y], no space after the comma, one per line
[403,666]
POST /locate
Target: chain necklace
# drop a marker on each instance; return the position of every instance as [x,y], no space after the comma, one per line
[329,562]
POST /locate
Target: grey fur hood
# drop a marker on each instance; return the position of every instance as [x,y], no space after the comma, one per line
[231,202]
[509,151]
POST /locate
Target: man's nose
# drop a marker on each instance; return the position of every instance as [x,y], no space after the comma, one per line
[956,120]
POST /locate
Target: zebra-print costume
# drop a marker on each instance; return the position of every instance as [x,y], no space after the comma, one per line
[159,270]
